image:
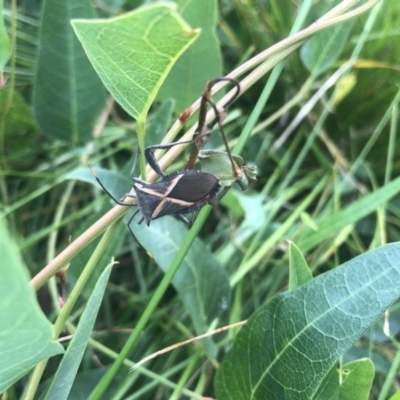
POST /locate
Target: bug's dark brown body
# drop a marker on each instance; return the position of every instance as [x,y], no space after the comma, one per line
[181,192]
[185,191]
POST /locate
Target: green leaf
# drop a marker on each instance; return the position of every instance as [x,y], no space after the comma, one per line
[159,122]
[299,271]
[201,280]
[68,94]
[117,184]
[251,204]
[27,337]
[19,126]
[253,220]
[231,202]
[66,372]
[19,118]
[334,223]
[5,48]
[396,396]
[290,344]
[218,163]
[87,380]
[357,380]
[329,388]
[201,62]
[354,383]
[133,53]
[323,49]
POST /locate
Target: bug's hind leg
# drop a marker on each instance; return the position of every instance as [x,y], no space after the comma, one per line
[185,220]
[130,228]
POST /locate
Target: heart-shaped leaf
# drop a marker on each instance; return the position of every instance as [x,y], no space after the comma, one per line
[133,53]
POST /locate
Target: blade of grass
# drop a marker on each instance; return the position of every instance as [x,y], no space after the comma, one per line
[66,310]
[147,313]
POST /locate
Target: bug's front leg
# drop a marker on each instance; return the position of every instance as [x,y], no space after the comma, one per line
[151,158]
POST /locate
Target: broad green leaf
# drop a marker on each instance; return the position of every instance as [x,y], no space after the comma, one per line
[68,95]
[201,62]
[133,53]
[66,372]
[299,271]
[18,119]
[329,388]
[357,379]
[323,49]
[290,344]
[158,124]
[218,163]
[27,337]
[5,49]
[251,204]
[334,223]
[201,281]
[231,202]
[117,184]
[19,127]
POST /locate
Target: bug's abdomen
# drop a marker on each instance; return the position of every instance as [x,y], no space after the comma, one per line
[194,186]
[178,193]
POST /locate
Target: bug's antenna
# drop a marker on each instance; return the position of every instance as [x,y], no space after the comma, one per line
[129,223]
[228,103]
[119,202]
[228,150]
[203,131]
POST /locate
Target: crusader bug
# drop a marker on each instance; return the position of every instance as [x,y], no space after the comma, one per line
[184,191]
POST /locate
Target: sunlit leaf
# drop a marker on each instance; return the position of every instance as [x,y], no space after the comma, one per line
[134,52]
[357,378]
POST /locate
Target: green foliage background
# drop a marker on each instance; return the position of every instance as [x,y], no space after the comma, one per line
[321,129]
